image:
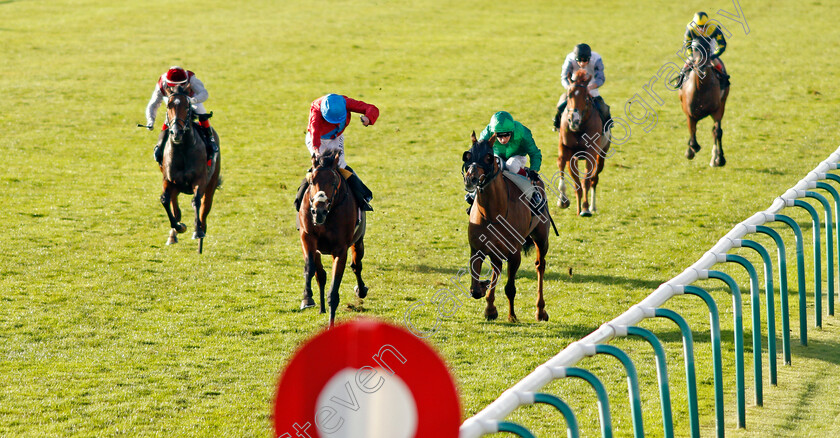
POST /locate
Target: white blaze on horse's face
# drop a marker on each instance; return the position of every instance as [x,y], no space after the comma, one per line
[574,120]
[319,206]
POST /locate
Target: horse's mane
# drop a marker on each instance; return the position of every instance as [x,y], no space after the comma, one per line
[581,72]
[326,160]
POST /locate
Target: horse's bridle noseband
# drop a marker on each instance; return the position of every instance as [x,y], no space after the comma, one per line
[489,174]
[189,111]
[336,186]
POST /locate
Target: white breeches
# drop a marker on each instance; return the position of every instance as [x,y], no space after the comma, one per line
[514,163]
[328,145]
[199,108]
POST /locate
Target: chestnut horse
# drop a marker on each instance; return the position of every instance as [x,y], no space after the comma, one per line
[701,96]
[185,168]
[582,135]
[328,225]
[501,225]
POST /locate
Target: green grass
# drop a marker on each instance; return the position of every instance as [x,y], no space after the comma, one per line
[104,331]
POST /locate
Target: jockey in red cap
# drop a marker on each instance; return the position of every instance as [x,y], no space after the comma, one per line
[166,85]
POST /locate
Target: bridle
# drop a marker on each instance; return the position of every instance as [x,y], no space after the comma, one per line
[337,182]
[587,98]
[186,121]
[490,172]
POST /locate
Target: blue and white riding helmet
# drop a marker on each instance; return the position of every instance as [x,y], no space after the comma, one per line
[334,109]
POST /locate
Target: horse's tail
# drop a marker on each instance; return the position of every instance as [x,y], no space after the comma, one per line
[528,245]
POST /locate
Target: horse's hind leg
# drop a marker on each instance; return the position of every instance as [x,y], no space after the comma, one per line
[693,146]
[309,269]
[717,157]
[510,287]
[562,163]
[169,200]
[339,263]
[356,265]
[540,237]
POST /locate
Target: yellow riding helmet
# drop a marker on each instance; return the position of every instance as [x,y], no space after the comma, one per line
[701,18]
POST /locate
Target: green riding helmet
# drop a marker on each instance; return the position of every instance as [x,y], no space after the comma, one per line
[502,121]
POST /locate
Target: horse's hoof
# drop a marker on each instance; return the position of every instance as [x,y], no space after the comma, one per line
[689,153]
[198,235]
[307,303]
[478,294]
[585,213]
[718,162]
[180,228]
[512,318]
[172,240]
[564,203]
[361,293]
[491,314]
[542,315]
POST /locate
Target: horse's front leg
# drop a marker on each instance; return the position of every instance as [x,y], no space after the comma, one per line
[717,156]
[693,146]
[339,263]
[540,263]
[510,287]
[574,170]
[309,270]
[169,199]
[478,287]
[356,265]
[199,227]
[562,162]
[490,311]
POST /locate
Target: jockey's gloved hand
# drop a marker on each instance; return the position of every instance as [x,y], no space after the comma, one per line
[192,100]
[534,175]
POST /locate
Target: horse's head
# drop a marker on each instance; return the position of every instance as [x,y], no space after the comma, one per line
[578,105]
[701,50]
[480,164]
[179,114]
[324,183]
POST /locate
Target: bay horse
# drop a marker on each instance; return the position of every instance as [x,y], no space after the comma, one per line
[328,225]
[501,225]
[582,135]
[701,96]
[187,169]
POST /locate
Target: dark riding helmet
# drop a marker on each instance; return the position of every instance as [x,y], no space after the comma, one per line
[582,52]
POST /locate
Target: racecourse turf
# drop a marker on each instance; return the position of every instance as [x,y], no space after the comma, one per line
[105,331]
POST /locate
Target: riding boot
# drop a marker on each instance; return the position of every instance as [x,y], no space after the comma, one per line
[304,185]
[470,198]
[559,114]
[604,110]
[209,140]
[360,191]
[164,134]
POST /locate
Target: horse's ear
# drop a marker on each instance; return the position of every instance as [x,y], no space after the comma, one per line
[314,161]
[467,156]
[492,139]
[472,138]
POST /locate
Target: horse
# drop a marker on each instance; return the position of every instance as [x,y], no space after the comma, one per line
[701,96]
[501,225]
[186,170]
[582,135]
[328,225]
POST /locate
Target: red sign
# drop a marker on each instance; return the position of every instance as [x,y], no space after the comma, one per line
[369,379]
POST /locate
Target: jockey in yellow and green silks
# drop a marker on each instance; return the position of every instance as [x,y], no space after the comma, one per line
[701,27]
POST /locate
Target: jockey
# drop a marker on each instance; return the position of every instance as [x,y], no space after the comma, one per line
[328,117]
[513,142]
[166,85]
[701,27]
[584,58]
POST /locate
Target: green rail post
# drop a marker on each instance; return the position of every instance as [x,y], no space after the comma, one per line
[717,362]
[800,275]
[815,218]
[600,392]
[690,376]
[756,322]
[661,377]
[771,311]
[836,196]
[506,426]
[783,289]
[740,385]
[572,430]
[829,247]
[632,385]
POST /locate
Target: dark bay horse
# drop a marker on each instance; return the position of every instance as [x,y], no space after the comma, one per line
[582,136]
[701,96]
[328,225]
[501,225]
[185,168]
